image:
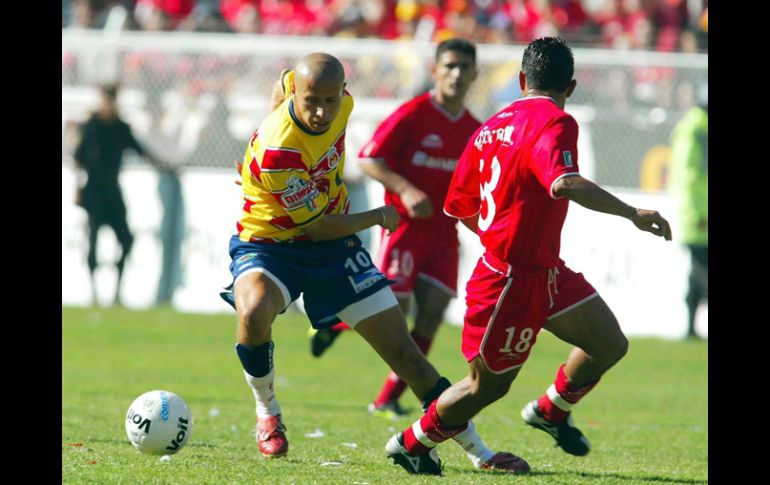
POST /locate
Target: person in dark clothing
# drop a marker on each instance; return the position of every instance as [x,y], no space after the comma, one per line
[104,139]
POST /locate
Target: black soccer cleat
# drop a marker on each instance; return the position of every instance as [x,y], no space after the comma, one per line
[322,340]
[427,464]
[567,436]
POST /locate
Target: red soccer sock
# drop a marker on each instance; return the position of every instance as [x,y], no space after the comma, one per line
[556,403]
[427,432]
[339,327]
[394,386]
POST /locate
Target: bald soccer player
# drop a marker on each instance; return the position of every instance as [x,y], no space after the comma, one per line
[295,237]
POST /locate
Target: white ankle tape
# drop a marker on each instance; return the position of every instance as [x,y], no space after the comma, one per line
[557,400]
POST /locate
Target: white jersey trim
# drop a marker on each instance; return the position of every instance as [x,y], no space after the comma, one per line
[568,174]
[371,305]
[461,218]
[442,110]
[525,98]
[573,306]
[489,327]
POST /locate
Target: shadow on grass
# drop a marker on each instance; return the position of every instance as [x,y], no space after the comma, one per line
[619,476]
[113,441]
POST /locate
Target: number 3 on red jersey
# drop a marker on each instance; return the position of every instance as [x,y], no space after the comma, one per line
[486,193]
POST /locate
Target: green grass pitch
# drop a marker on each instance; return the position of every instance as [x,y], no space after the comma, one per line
[647,420]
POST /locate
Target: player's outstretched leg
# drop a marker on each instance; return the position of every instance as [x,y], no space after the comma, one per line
[459,403]
[599,344]
[431,304]
[258,300]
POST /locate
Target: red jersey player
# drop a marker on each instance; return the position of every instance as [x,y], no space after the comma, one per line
[512,186]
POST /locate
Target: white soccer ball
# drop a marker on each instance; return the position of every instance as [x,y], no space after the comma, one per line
[159,423]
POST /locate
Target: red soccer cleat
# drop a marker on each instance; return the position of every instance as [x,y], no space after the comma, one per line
[505,463]
[271,437]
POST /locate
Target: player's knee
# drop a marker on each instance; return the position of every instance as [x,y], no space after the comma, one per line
[489,392]
[254,322]
[252,313]
[615,353]
[622,349]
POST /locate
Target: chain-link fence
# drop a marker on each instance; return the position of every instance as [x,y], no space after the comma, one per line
[195,99]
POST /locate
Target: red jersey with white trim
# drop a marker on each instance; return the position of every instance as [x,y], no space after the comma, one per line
[506,175]
[292,176]
[422,142]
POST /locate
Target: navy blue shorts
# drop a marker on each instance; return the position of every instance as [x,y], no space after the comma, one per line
[330,275]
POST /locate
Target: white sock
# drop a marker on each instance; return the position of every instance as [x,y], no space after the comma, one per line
[267,404]
[470,441]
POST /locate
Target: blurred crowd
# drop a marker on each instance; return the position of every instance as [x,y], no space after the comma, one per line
[661,25]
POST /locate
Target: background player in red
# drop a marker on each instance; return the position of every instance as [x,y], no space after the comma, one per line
[512,186]
[413,153]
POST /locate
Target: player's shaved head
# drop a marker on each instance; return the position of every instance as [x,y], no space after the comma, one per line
[319,69]
[319,84]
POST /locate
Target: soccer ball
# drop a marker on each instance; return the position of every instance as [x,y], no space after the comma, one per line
[159,423]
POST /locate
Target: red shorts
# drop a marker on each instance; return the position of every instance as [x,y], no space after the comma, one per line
[505,313]
[414,251]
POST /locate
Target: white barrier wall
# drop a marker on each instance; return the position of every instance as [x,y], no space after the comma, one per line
[641,277]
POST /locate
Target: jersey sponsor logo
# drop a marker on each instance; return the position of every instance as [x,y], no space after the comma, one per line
[330,160]
[487,136]
[432,141]
[245,262]
[567,158]
[509,356]
[333,157]
[421,159]
[298,193]
[245,258]
[505,115]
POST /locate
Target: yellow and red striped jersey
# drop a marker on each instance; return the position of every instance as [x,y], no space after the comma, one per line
[292,176]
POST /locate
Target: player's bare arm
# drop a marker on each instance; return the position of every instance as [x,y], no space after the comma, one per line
[336,226]
[417,203]
[276,96]
[591,196]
